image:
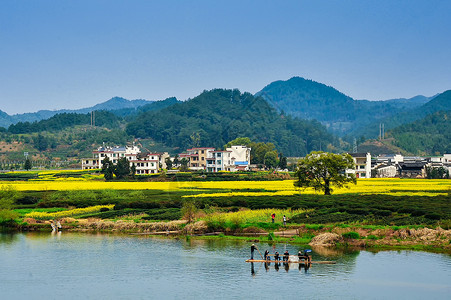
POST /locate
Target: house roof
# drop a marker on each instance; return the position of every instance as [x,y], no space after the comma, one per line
[358,154]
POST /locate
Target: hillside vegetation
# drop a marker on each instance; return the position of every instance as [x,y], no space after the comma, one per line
[216,117]
[340,113]
[430,135]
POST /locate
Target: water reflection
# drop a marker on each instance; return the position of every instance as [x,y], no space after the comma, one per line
[8,238]
[111,266]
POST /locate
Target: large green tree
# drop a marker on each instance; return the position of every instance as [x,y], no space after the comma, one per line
[107,168]
[122,168]
[323,170]
[271,159]
[27,165]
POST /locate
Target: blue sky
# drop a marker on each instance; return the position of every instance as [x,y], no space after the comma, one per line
[74,54]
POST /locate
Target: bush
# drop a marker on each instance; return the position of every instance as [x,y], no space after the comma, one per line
[7,217]
[351,235]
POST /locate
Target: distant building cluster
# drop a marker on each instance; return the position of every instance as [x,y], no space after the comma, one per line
[145,162]
[409,167]
[235,158]
[396,165]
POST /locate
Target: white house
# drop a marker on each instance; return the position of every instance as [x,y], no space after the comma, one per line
[362,163]
[240,158]
[145,163]
[235,158]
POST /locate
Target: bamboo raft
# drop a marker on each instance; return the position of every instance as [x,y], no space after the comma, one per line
[293,261]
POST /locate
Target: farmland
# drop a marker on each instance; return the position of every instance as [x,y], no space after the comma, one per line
[233,207]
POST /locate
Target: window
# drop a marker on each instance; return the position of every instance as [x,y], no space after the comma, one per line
[219,154]
[203,158]
[218,162]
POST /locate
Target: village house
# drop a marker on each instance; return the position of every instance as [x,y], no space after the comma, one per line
[197,157]
[362,163]
[145,163]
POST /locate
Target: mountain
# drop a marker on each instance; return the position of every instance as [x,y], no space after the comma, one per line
[340,113]
[116,103]
[218,116]
[440,102]
[430,135]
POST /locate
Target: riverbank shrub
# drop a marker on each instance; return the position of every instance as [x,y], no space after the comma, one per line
[351,235]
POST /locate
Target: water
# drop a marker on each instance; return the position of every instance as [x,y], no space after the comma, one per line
[107,266]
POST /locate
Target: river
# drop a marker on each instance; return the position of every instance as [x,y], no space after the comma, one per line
[106,266]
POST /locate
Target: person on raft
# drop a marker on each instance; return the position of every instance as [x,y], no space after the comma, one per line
[252,251]
[266,256]
[276,256]
[304,256]
[286,255]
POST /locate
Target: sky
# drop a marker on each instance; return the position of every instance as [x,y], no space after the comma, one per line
[64,54]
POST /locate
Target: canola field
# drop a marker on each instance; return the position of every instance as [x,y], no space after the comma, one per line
[396,187]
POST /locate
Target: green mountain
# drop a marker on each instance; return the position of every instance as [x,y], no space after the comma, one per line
[63,120]
[308,99]
[216,117]
[428,136]
[441,102]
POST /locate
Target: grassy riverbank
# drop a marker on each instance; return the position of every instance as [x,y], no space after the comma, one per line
[378,210]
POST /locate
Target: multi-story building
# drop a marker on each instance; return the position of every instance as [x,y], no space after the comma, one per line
[197,157]
[240,158]
[362,163]
[145,163]
[219,161]
[235,158]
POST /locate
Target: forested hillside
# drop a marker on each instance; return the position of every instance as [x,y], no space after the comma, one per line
[219,116]
[115,103]
[64,120]
[430,135]
[441,102]
[341,114]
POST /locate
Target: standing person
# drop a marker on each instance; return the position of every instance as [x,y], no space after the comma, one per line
[273,216]
[252,251]
[266,255]
[286,255]
[276,256]
[58,225]
[284,220]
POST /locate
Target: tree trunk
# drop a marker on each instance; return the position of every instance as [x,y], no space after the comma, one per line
[326,187]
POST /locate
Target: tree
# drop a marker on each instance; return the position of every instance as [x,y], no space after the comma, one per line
[241,141]
[27,165]
[122,168]
[189,210]
[271,159]
[176,160]
[282,161]
[133,170]
[8,195]
[168,162]
[41,142]
[184,165]
[107,168]
[322,170]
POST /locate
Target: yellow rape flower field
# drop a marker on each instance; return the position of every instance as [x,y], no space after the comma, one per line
[397,187]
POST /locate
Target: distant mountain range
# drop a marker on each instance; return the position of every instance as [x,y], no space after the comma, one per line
[274,114]
[115,103]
